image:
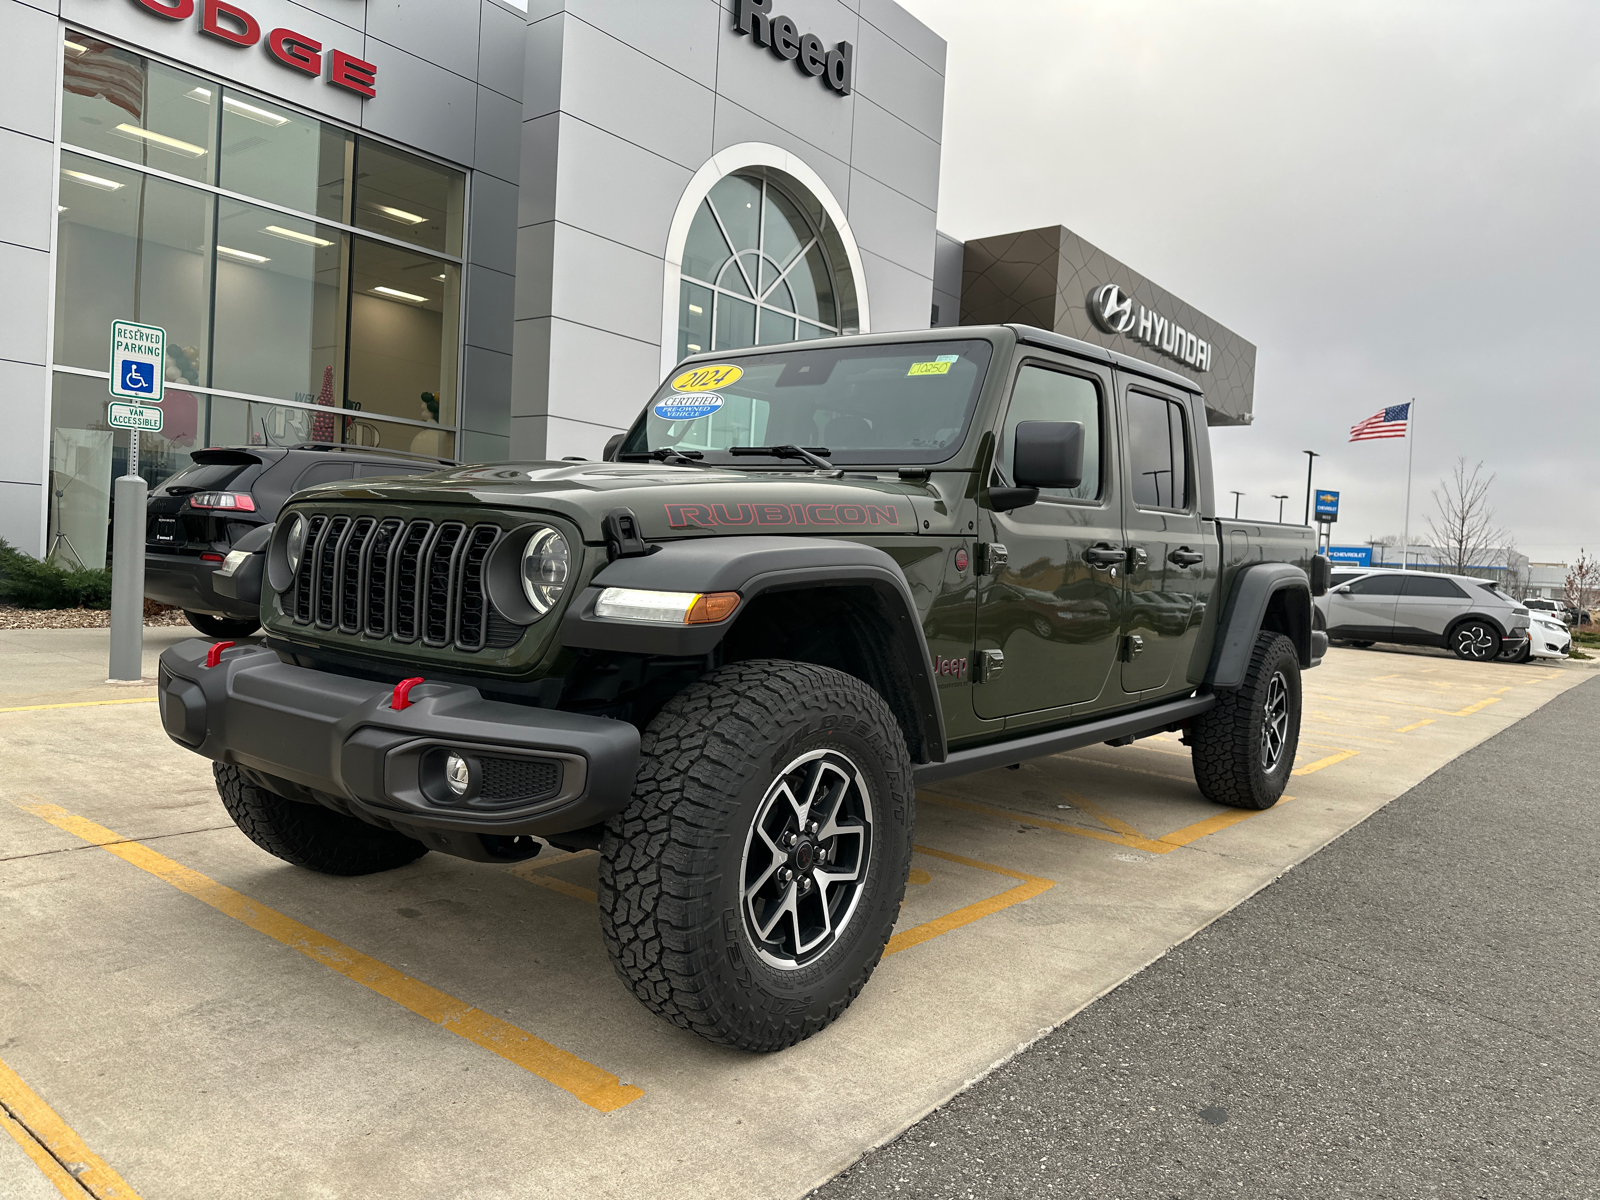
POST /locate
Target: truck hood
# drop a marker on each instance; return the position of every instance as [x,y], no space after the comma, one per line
[672,502]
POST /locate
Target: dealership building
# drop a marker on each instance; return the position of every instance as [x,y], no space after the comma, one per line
[477,230]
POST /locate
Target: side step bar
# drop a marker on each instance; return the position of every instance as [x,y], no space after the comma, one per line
[1038,745]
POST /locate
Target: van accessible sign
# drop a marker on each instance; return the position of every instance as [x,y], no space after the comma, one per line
[1114,311]
[138,361]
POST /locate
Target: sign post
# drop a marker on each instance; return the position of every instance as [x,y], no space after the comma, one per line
[1326,510]
[138,374]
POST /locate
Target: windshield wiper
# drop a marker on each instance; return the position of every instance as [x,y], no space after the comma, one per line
[810,454]
[673,458]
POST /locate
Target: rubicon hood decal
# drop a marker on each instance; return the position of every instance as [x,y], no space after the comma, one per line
[689,516]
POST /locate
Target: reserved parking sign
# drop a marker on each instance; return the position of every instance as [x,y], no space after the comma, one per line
[138,361]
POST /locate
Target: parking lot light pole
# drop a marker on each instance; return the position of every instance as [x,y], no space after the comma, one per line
[1236,496]
[1311,461]
[1280,500]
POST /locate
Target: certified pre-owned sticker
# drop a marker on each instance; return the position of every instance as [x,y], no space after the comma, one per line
[688,407]
[708,378]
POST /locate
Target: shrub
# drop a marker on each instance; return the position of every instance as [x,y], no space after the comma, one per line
[26,582]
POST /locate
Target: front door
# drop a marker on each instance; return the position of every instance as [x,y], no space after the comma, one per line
[1173,558]
[1363,609]
[1052,612]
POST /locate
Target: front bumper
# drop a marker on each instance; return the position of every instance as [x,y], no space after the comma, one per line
[1549,644]
[190,584]
[335,740]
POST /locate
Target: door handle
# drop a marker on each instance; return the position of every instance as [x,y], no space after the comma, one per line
[1104,556]
[1185,557]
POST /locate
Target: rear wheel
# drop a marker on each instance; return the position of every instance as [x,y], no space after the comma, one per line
[1475,641]
[749,889]
[222,627]
[1244,747]
[309,835]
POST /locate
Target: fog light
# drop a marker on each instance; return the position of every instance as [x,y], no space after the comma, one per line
[457,774]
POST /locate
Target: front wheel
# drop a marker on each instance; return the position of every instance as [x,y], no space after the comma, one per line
[1475,641]
[748,890]
[222,627]
[309,835]
[1244,747]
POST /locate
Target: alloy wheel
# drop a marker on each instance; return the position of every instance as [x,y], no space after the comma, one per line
[805,859]
[1275,722]
[1476,642]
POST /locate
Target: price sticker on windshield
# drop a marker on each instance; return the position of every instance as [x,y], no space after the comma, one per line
[687,407]
[939,367]
[709,378]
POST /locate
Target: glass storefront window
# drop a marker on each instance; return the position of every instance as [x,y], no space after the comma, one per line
[121,104]
[402,196]
[328,336]
[403,319]
[765,267]
[280,304]
[136,248]
[282,157]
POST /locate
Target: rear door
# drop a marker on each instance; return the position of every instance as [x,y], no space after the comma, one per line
[1427,606]
[1172,563]
[1363,610]
[1052,613]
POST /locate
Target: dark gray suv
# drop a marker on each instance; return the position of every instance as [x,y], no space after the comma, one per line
[1471,617]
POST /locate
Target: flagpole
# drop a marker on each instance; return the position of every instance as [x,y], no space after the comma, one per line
[1411,444]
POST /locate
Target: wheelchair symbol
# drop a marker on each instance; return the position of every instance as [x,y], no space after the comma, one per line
[139,377]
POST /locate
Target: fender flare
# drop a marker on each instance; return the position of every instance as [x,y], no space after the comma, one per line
[753,566]
[1253,589]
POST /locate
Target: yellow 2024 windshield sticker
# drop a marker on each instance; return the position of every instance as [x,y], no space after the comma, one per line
[708,378]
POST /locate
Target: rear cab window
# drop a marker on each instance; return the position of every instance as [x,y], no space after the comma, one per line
[1158,447]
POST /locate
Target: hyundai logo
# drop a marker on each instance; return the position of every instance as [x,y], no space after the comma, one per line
[1111,308]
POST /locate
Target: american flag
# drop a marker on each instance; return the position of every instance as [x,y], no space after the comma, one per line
[1387,423]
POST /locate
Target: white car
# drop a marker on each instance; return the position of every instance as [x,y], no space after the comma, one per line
[1548,636]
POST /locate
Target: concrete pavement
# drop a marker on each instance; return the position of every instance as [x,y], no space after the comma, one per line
[1412,1012]
[212,1021]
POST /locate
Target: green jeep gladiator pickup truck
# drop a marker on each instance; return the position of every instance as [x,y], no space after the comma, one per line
[809,578]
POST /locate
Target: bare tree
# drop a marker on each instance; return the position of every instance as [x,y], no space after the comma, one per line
[1464,534]
[1583,585]
[1517,575]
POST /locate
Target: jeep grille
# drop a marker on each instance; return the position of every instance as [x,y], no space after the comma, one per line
[399,580]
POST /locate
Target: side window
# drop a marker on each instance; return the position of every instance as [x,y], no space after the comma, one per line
[1416,586]
[1041,394]
[324,472]
[1159,451]
[1378,585]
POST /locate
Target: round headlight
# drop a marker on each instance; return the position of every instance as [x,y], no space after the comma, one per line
[546,563]
[296,543]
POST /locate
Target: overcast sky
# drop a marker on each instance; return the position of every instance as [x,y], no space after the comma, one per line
[1389,199]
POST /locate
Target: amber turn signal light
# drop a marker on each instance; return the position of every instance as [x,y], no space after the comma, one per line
[712,607]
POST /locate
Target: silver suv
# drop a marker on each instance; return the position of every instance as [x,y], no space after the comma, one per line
[1472,617]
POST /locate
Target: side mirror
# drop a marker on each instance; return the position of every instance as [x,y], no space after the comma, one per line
[609,454]
[1048,454]
[1342,590]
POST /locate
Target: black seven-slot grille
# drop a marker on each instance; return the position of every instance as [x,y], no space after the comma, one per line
[401,580]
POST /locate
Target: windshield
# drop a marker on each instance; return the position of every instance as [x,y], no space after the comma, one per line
[906,403]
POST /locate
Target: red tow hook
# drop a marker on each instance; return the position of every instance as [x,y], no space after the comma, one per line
[401,700]
[214,655]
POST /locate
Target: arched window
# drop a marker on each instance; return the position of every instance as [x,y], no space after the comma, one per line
[763,263]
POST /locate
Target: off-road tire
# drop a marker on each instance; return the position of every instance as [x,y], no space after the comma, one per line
[671,868]
[222,627]
[309,835]
[1226,741]
[1475,641]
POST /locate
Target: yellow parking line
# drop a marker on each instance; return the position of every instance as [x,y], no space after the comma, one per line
[1418,725]
[595,1087]
[1472,708]
[1325,762]
[58,1152]
[1115,824]
[1216,824]
[79,704]
[1031,886]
